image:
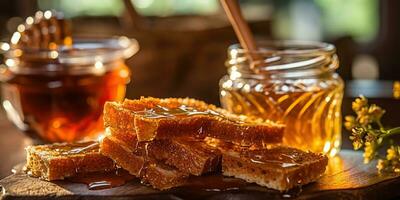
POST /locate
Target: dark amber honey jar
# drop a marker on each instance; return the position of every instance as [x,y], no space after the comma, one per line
[58,95]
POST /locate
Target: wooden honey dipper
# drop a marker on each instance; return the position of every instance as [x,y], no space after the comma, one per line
[242,30]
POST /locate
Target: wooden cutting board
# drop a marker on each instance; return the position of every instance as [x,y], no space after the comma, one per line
[346,178]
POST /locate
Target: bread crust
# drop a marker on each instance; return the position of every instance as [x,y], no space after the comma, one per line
[225,126]
[158,175]
[61,160]
[280,168]
[191,156]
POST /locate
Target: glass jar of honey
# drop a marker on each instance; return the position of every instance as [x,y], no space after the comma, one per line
[58,95]
[291,82]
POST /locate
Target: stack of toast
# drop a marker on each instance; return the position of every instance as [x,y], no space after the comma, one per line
[164,142]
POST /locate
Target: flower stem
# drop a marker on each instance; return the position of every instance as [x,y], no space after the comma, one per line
[380,124]
[393,131]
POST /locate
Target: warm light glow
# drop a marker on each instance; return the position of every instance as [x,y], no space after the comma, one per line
[21,28]
[333,152]
[52,45]
[246,88]
[53,54]
[17,52]
[68,41]
[327,146]
[259,88]
[335,165]
[223,93]
[337,143]
[56,124]
[29,20]
[13,115]
[227,84]
[107,132]
[10,62]
[124,73]
[123,41]
[47,14]
[234,53]
[5,47]
[235,75]
[15,37]
[100,137]
[98,65]
[327,99]
[39,14]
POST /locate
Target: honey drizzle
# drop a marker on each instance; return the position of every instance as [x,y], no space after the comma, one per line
[161,112]
[145,158]
[183,110]
[78,150]
[272,157]
[71,148]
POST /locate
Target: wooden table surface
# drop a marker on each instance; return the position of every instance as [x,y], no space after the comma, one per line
[346,177]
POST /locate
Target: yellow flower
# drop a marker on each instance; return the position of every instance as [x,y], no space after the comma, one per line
[356,144]
[359,103]
[396,89]
[381,165]
[369,152]
[375,111]
[363,116]
[391,153]
[368,132]
[371,137]
[349,122]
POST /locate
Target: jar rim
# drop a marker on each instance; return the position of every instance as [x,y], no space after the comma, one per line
[292,47]
[75,59]
[283,59]
[84,50]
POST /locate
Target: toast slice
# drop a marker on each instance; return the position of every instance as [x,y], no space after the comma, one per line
[280,168]
[193,157]
[59,161]
[157,174]
[152,118]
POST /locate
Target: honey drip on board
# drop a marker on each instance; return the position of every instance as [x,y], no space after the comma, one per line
[312,118]
[103,180]
[214,183]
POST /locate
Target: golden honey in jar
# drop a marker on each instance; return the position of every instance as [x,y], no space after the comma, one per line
[58,95]
[291,82]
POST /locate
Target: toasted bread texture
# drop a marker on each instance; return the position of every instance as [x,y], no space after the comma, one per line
[191,156]
[157,174]
[280,168]
[59,161]
[152,118]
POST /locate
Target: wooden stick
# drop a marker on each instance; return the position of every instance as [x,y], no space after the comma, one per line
[136,19]
[240,26]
